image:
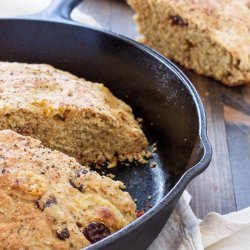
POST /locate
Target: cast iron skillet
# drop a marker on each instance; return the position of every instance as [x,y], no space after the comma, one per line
[156,89]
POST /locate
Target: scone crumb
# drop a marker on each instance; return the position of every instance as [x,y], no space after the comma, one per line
[122,185]
[153,165]
[154,147]
[112,163]
[112,176]
[140,213]
[139,120]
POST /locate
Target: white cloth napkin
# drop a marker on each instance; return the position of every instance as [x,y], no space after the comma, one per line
[216,232]
[183,231]
[22,7]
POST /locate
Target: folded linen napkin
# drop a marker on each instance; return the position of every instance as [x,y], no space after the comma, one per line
[216,232]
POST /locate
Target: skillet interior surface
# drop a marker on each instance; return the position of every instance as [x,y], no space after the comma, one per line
[153,91]
[153,87]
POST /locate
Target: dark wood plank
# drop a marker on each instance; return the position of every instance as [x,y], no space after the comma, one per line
[237,116]
[213,191]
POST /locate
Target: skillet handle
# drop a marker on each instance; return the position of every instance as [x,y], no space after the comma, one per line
[201,155]
[59,10]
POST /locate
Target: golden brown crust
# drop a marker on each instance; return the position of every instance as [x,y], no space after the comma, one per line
[67,113]
[47,199]
[212,37]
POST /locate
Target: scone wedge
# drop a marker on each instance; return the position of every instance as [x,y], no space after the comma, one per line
[70,114]
[49,201]
[212,37]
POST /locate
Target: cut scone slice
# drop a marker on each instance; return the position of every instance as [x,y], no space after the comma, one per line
[212,37]
[49,201]
[70,114]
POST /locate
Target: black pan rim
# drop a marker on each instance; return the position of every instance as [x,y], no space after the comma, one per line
[189,174]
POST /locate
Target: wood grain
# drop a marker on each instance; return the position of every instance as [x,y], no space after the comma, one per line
[225,185]
[213,190]
[237,119]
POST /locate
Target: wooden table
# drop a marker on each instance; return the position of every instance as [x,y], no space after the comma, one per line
[225,186]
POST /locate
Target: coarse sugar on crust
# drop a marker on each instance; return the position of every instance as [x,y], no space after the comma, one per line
[49,201]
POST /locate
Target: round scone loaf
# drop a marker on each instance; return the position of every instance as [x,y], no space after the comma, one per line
[49,201]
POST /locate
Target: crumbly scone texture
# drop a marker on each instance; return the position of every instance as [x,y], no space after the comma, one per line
[212,37]
[69,114]
[49,201]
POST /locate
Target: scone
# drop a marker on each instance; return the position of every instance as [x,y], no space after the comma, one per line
[67,113]
[49,201]
[212,37]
